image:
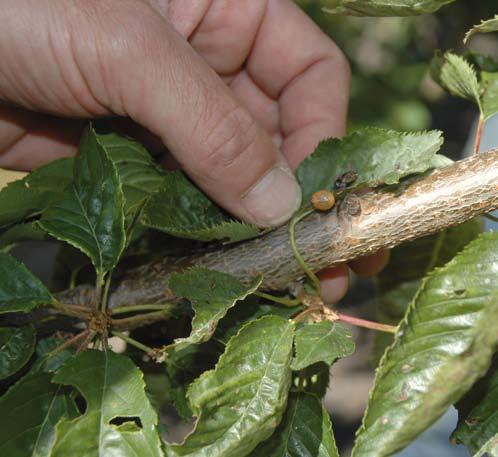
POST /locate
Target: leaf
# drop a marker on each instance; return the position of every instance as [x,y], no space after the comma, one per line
[90,215]
[241,402]
[30,196]
[38,405]
[305,431]
[400,280]
[16,347]
[459,78]
[113,388]
[180,209]
[377,156]
[383,7]
[251,309]
[449,333]
[478,413]
[19,233]
[491,25]
[182,367]
[45,361]
[489,82]
[323,342]
[212,294]
[20,290]
[139,175]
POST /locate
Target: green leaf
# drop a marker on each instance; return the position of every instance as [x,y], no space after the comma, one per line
[323,342]
[251,309]
[449,333]
[185,365]
[383,7]
[305,431]
[377,156]
[212,294]
[400,280]
[16,347]
[491,25]
[118,419]
[19,233]
[139,175]
[478,413]
[30,196]
[459,78]
[90,215]
[37,405]
[241,402]
[180,209]
[45,361]
[489,83]
[20,290]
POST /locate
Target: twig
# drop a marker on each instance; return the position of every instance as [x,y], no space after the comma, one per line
[383,218]
[139,308]
[75,339]
[130,323]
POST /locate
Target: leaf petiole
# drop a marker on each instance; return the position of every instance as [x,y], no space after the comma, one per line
[139,308]
[358,322]
[292,237]
[133,342]
[280,300]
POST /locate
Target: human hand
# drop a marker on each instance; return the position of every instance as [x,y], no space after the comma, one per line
[239,92]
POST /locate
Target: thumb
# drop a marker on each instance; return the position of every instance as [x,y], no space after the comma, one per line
[165,86]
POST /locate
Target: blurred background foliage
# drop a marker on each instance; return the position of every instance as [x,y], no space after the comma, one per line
[390,57]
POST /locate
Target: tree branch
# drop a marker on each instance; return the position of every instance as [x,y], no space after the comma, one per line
[363,224]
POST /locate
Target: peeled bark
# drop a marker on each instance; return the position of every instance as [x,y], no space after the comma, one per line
[362,224]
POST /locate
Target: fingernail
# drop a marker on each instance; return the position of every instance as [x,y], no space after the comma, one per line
[274,198]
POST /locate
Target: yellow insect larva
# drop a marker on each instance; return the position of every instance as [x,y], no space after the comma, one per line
[323,200]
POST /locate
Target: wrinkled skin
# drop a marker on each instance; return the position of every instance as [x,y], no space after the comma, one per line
[238,91]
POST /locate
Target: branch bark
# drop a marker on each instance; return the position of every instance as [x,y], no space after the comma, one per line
[362,224]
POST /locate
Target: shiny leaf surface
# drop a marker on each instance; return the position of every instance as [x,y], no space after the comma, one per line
[448,333]
[323,342]
[376,156]
[180,209]
[241,402]
[16,347]
[38,405]
[305,431]
[119,419]
[20,290]
[212,294]
[90,215]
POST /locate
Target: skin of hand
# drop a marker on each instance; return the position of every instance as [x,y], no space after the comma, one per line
[240,92]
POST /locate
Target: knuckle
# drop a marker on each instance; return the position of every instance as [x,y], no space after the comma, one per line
[232,137]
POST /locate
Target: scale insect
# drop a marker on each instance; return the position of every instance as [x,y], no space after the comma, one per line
[345,180]
[323,200]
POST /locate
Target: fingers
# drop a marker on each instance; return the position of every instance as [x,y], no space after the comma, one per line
[370,265]
[334,283]
[292,67]
[306,72]
[121,57]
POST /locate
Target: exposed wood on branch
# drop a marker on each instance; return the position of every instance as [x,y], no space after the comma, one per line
[361,225]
